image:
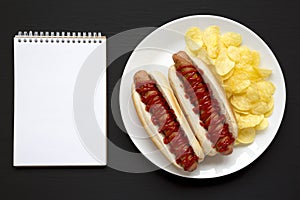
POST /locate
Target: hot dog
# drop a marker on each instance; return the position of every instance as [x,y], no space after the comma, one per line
[163,120]
[204,104]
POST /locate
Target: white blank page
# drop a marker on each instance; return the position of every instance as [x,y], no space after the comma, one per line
[45,129]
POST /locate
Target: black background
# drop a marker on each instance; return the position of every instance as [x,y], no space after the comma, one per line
[275,175]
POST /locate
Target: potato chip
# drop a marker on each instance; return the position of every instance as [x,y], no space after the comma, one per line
[228,75]
[247,121]
[229,95]
[236,142]
[223,64]
[222,46]
[231,39]
[246,136]
[251,73]
[240,86]
[193,45]
[239,73]
[252,93]
[238,82]
[241,112]
[211,40]
[259,108]
[233,53]
[246,56]
[194,32]
[264,73]
[237,115]
[193,38]
[271,104]
[265,90]
[262,125]
[247,71]
[255,59]
[213,51]
[269,113]
[240,102]
[227,91]
[227,88]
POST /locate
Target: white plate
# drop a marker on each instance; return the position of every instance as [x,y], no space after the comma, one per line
[155,53]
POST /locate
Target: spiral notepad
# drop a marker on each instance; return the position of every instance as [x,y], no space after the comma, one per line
[59,99]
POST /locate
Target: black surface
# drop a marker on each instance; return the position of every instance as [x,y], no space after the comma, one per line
[275,175]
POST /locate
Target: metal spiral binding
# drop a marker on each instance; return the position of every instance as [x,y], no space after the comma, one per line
[59,37]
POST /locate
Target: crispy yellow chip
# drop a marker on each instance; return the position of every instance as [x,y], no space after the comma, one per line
[239,74]
[238,82]
[223,64]
[262,125]
[247,121]
[227,91]
[233,53]
[194,33]
[222,46]
[193,45]
[246,136]
[246,56]
[231,39]
[255,59]
[193,38]
[264,73]
[236,142]
[271,104]
[240,102]
[259,108]
[227,88]
[269,113]
[240,86]
[247,72]
[265,90]
[228,75]
[241,112]
[211,40]
[229,95]
[237,115]
[252,93]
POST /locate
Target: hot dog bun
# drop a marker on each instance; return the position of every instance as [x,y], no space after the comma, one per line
[187,107]
[152,130]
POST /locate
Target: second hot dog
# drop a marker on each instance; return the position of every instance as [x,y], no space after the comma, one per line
[205,106]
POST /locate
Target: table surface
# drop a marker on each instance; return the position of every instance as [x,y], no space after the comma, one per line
[275,174]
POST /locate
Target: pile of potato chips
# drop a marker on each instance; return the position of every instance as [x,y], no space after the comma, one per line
[237,68]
